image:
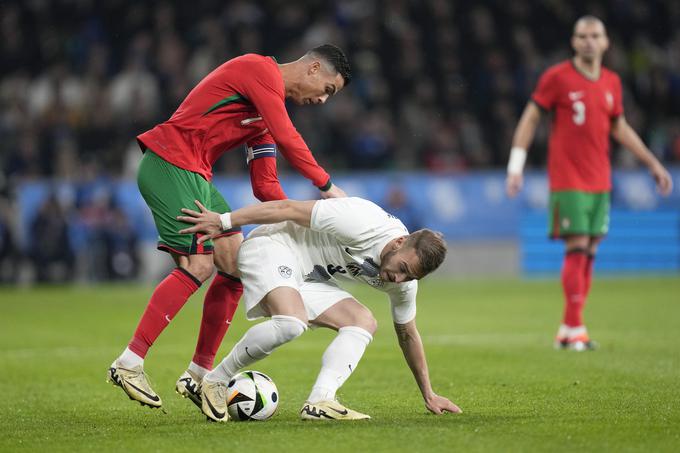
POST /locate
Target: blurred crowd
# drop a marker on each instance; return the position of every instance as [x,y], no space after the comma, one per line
[438,85]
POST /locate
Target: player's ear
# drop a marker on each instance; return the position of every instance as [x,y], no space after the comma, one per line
[314,67]
[400,242]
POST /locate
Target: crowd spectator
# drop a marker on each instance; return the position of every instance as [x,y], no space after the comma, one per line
[49,243]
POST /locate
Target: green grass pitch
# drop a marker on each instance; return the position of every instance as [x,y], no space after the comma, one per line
[489,347]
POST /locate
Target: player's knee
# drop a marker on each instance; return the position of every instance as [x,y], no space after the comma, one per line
[288,327]
[226,252]
[369,323]
[201,269]
[366,321]
[226,263]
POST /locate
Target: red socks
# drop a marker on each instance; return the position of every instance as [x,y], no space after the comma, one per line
[221,301]
[169,297]
[590,261]
[574,278]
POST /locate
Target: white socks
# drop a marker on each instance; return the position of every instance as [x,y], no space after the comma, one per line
[198,370]
[129,359]
[339,361]
[571,332]
[257,343]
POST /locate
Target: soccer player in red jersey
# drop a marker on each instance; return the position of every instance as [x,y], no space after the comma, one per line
[240,102]
[586,102]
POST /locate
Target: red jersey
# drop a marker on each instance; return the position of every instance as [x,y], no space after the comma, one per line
[240,102]
[583,110]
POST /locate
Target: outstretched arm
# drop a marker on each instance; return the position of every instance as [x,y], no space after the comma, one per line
[414,353]
[626,135]
[524,135]
[212,224]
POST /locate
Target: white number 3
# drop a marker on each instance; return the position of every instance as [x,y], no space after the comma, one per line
[579,116]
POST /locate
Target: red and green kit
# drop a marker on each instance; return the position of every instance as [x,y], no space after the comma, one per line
[242,102]
[579,166]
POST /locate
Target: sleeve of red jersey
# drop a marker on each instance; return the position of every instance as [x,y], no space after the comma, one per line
[618,98]
[545,93]
[261,91]
[262,167]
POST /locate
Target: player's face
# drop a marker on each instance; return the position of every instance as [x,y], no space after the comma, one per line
[317,85]
[589,40]
[400,265]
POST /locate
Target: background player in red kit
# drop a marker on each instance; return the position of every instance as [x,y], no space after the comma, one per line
[240,102]
[586,102]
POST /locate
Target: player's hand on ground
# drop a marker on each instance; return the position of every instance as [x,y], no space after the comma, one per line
[333,192]
[438,405]
[513,184]
[664,182]
[206,222]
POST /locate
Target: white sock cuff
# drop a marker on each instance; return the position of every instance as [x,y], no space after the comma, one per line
[198,369]
[129,359]
[358,331]
[288,327]
[289,319]
[576,331]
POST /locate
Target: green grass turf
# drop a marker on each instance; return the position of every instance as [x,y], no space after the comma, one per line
[489,350]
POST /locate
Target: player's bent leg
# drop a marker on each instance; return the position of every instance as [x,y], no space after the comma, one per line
[355,325]
[345,313]
[288,321]
[165,189]
[127,371]
[220,304]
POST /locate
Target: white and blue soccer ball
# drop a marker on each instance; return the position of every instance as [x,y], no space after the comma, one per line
[251,395]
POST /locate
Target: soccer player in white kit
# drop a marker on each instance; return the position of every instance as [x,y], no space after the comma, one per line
[292,268]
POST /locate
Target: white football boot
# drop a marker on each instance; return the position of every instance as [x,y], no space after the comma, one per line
[189,386]
[214,400]
[329,410]
[134,383]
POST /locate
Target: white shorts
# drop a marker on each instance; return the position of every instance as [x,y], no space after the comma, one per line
[266,265]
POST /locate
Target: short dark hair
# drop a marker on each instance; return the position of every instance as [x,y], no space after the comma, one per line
[336,58]
[430,248]
[589,19]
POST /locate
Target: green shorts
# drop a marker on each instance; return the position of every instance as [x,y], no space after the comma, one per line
[578,213]
[166,189]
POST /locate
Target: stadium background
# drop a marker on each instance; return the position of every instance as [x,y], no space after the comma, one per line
[424,129]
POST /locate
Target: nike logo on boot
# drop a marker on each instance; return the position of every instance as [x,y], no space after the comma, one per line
[215,412]
[343,412]
[148,395]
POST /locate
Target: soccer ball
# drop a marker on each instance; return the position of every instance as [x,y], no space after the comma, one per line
[251,395]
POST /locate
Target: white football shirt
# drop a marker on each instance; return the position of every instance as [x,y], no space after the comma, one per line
[343,244]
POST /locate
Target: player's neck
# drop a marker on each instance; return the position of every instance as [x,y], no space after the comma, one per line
[289,73]
[589,68]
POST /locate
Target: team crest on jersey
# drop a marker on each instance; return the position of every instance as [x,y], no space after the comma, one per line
[285,271]
[610,99]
